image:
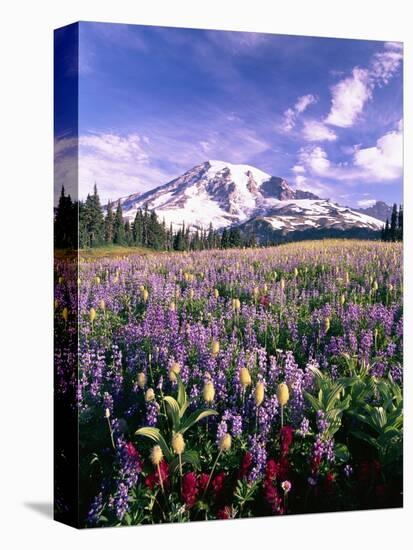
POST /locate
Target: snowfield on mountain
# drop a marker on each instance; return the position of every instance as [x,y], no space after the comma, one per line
[225,194]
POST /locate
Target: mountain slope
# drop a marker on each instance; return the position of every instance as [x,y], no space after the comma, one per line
[379,210]
[226,194]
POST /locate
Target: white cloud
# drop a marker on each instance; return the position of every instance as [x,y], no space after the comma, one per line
[351,94]
[384,161]
[289,120]
[118,164]
[315,159]
[397,46]
[315,186]
[384,65]
[121,164]
[348,99]
[291,114]
[365,203]
[300,181]
[313,130]
[303,102]
[380,163]
[114,146]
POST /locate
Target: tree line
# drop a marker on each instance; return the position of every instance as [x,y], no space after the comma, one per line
[393,230]
[85,221]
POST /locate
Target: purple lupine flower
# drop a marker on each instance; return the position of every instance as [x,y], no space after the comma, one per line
[304,428]
[152,410]
[322,423]
[95,509]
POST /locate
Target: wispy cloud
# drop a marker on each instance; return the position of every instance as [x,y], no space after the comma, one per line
[348,99]
[351,94]
[313,130]
[122,164]
[292,113]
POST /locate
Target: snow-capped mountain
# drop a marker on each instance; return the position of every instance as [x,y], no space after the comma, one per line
[226,194]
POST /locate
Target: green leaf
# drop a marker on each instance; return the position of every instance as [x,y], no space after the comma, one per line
[317,372]
[188,457]
[173,409]
[314,402]
[379,418]
[182,398]
[341,452]
[195,417]
[155,435]
[333,395]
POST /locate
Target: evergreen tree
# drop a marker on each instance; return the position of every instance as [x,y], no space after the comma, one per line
[393,224]
[65,222]
[118,226]
[386,231]
[128,233]
[211,237]
[179,243]
[145,223]
[155,236]
[109,224]
[400,224]
[137,229]
[91,220]
[224,239]
[234,237]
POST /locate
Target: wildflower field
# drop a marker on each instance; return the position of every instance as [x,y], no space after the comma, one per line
[235,383]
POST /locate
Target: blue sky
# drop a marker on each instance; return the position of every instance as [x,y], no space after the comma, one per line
[325,114]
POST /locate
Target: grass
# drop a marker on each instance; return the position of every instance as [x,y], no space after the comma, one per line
[112,251]
[98,253]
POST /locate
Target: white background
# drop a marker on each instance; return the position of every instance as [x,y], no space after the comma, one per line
[26,270]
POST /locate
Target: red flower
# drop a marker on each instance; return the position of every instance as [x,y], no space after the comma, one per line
[271,469]
[218,485]
[245,466]
[286,436]
[264,300]
[132,452]
[150,481]
[202,482]
[224,513]
[164,469]
[329,482]
[271,495]
[284,467]
[153,479]
[189,489]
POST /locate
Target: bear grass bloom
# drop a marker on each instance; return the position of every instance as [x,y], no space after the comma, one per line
[259,393]
[215,348]
[178,443]
[225,443]
[174,369]
[283,394]
[244,377]
[208,392]
[141,380]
